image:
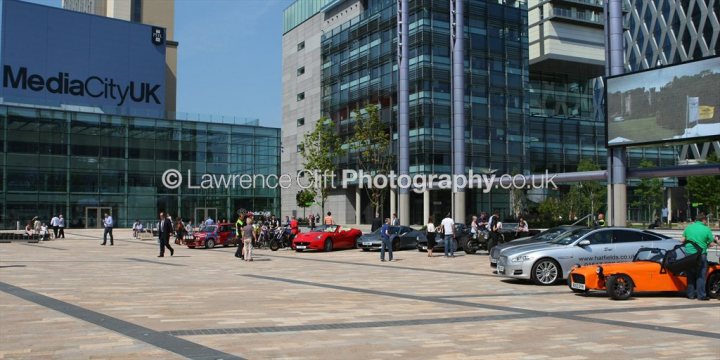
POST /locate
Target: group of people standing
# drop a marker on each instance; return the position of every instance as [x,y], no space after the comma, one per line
[36,227]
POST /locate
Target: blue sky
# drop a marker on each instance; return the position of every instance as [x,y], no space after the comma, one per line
[229,58]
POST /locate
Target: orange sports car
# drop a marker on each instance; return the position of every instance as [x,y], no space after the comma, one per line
[646,273]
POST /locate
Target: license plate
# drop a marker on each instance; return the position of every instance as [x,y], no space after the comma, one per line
[300,247]
[367,244]
[578,286]
[500,269]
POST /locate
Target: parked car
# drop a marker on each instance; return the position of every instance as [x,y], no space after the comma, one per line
[546,263]
[327,238]
[407,238]
[541,237]
[462,235]
[646,273]
[211,235]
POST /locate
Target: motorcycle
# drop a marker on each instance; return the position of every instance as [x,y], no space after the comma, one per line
[282,238]
[483,241]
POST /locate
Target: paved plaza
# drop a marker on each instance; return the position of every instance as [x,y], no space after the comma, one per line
[74,299]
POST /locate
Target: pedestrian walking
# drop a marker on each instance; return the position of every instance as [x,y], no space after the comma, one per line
[165,229]
[239,225]
[55,227]
[61,226]
[697,237]
[248,234]
[448,225]
[430,232]
[386,242]
[108,224]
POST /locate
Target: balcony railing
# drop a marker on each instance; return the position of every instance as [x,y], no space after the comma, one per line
[585,16]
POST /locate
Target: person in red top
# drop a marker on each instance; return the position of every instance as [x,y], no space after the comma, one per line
[294,227]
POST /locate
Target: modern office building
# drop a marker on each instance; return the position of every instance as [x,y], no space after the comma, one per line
[348,48]
[567,55]
[85,164]
[153,12]
[84,134]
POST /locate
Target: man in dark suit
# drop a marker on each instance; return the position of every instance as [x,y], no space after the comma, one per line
[165,228]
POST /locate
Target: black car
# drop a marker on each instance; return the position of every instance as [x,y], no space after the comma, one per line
[407,238]
[462,235]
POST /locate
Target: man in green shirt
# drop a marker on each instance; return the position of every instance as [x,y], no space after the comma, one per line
[698,236]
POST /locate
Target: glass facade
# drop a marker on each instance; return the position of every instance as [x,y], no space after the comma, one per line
[57,161]
[360,67]
[301,10]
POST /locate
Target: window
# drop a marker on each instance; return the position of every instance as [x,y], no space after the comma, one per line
[301,45]
[300,71]
[600,237]
[626,236]
[300,121]
[301,96]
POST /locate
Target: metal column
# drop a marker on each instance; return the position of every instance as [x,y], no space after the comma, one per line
[458,105]
[403,104]
[617,155]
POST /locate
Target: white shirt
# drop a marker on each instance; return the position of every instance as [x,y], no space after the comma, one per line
[61,222]
[430,227]
[54,221]
[108,221]
[448,225]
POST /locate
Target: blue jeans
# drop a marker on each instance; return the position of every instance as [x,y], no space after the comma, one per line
[449,245]
[696,279]
[386,244]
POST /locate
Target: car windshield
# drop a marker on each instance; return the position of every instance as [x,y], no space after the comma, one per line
[550,234]
[654,255]
[570,237]
[330,228]
[208,228]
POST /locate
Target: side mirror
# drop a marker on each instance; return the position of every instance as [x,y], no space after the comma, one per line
[584,243]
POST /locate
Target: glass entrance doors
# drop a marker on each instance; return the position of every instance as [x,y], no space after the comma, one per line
[94,216]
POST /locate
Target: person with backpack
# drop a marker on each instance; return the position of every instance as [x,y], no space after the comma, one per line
[697,237]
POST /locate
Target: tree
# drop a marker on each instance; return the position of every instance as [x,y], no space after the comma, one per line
[372,144]
[586,197]
[320,148]
[551,209]
[704,189]
[649,192]
[305,198]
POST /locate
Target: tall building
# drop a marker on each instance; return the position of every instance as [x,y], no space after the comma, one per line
[153,12]
[670,32]
[73,143]
[340,55]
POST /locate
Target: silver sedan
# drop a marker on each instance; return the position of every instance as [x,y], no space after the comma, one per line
[546,263]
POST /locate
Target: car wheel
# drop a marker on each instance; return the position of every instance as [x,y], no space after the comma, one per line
[713,285]
[209,244]
[274,245]
[328,245]
[469,247]
[577,291]
[545,272]
[619,287]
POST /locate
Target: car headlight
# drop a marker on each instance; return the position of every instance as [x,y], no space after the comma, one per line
[519,259]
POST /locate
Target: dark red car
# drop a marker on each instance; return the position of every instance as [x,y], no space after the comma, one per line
[327,238]
[211,235]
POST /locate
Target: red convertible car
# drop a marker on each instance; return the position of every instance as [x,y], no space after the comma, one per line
[211,235]
[327,238]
